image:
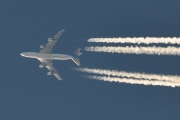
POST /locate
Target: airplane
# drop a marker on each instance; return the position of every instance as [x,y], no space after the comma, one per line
[45,56]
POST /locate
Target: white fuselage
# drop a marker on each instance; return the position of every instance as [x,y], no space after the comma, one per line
[47,56]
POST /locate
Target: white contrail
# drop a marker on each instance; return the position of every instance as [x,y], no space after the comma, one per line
[148,40]
[133,78]
[134,75]
[135,81]
[136,50]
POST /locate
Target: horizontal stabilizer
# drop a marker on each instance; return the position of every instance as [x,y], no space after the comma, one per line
[76,60]
[77,52]
[76,55]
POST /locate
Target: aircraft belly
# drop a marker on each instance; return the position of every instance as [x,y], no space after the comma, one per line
[62,57]
[44,56]
[55,56]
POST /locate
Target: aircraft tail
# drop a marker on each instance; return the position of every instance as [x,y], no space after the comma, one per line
[76,55]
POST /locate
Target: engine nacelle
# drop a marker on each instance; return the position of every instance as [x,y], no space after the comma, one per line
[50,39]
[41,46]
[41,66]
[49,73]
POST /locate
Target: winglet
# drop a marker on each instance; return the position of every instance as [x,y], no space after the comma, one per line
[58,35]
[57,76]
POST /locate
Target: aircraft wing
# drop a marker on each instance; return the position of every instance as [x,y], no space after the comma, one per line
[48,48]
[49,66]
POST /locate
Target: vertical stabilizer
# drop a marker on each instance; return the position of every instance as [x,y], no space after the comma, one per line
[76,55]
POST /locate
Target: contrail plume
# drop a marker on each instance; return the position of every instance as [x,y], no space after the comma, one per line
[134,81]
[133,75]
[139,40]
[136,50]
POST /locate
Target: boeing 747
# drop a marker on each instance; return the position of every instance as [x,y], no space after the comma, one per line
[45,56]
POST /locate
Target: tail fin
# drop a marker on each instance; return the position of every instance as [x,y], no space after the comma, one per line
[76,55]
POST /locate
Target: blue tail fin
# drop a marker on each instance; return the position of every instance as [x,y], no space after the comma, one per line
[76,55]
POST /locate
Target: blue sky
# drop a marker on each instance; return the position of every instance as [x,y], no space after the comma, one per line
[28,93]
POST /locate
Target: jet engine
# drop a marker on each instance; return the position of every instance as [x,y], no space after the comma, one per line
[41,46]
[50,39]
[49,73]
[41,66]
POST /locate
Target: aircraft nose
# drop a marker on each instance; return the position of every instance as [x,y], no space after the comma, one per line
[22,54]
